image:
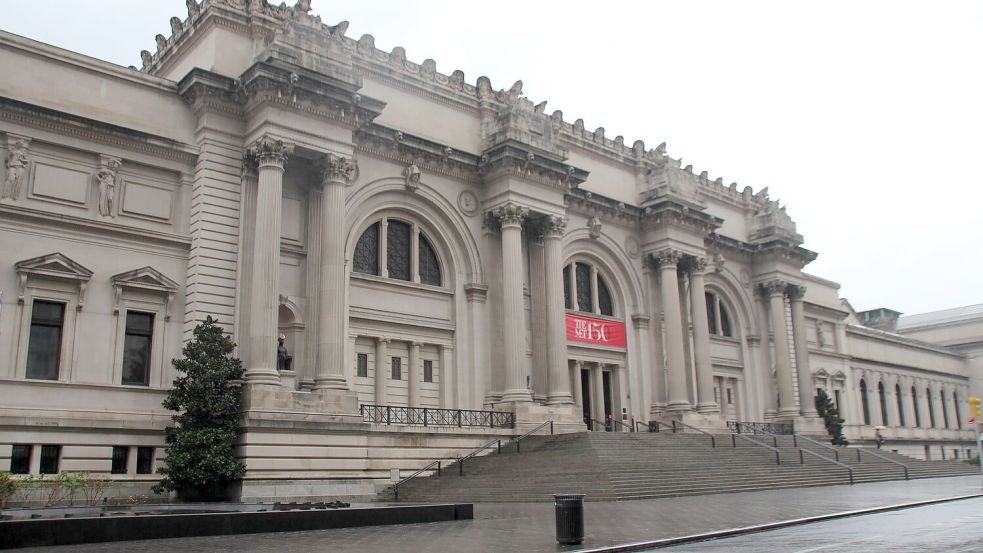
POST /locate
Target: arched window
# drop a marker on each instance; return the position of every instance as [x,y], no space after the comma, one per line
[914,407]
[398,261]
[718,319]
[586,290]
[931,410]
[945,412]
[883,399]
[864,401]
[955,403]
[900,400]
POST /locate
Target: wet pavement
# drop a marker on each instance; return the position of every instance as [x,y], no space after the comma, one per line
[529,527]
[955,527]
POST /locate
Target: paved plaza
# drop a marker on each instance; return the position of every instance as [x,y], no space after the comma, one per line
[529,527]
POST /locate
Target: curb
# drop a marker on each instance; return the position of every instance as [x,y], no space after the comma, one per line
[731,532]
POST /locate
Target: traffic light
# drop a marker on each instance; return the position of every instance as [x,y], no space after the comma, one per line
[974,406]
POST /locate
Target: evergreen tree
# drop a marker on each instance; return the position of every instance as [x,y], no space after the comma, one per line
[831,416]
[200,456]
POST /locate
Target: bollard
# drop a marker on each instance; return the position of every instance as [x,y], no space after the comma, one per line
[569,518]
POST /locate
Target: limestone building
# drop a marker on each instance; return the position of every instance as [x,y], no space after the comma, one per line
[420,240]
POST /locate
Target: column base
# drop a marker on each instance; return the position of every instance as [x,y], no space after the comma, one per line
[676,406]
[332,382]
[519,395]
[288,380]
[562,398]
[708,408]
[810,426]
[656,411]
[262,376]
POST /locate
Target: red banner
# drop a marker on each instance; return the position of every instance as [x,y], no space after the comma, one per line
[595,331]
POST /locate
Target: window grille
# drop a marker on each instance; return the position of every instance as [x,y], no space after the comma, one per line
[397,368]
[121,455]
[20,459]
[427,370]
[366,257]
[362,365]
[604,298]
[398,250]
[428,263]
[585,300]
[145,460]
[50,455]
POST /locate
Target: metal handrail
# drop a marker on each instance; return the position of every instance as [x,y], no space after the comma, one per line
[713,440]
[475,451]
[621,424]
[412,476]
[824,458]
[733,439]
[594,422]
[432,416]
[836,451]
[878,455]
[527,434]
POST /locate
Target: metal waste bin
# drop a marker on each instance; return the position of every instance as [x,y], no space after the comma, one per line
[569,518]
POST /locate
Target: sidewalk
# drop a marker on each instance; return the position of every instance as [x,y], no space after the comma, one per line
[529,527]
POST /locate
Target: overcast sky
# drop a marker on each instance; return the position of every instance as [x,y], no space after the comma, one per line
[864,117]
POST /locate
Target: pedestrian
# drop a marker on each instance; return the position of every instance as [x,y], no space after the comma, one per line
[878,438]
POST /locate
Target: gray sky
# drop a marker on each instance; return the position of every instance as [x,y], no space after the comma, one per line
[865,118]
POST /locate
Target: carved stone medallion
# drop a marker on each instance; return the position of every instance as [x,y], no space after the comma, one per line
[632,247]
[467,202]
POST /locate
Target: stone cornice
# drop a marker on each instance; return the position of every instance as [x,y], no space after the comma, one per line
[674,213]
[407,149]
[900,340]
[592,204]
[96,131]
[518,161]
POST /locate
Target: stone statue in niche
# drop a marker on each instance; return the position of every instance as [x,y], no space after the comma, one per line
[820,334]
[594,226]
[412,176]
[107,177]
[283,358]
[16,166]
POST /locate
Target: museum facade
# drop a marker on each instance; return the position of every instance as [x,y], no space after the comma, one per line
[418,241]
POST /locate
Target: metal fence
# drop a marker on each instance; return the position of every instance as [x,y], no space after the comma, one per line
[780,428]
[427,416]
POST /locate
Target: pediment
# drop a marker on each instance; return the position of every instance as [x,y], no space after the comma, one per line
[55,265]
[146,278]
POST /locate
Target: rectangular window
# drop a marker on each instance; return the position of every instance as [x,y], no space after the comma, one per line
[397,364]
[136,348]
[121,455]
[44,345]
[730,396]
[362,365]
[20,459]
[427,370]
[50,455]
[145,460]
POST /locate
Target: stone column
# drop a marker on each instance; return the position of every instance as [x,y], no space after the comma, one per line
[807,404]
[315,216]
[656,361]
[597,401]
[595,306]
[413,375]
[556,327]
[381,370]
[271,155]
[578,389]
[337,173]
[573,287]
[775,291]
[701,338]
[673,322]
[511,217]
[641,372]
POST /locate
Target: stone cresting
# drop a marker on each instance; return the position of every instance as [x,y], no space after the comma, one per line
[263,17]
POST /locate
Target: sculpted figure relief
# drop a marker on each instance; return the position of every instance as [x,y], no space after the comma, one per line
[107,178]
[16,165]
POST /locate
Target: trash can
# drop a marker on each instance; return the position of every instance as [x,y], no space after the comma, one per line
[569,518]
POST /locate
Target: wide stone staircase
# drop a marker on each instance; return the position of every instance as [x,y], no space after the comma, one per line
[613,466]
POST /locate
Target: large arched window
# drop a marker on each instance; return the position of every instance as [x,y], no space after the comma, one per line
[931,410]
[900,400]
[864,401]
[718,318]
[401,260]
[914,407]
[586,290]
[883,399]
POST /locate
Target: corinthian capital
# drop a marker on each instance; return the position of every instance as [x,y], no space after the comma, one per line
[270,151]
[795,292]
[774,287]
[697,265]
[338,169]
[554,226]
[510,214]
[668,257]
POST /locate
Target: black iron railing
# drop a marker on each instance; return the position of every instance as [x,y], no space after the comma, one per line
[428,416]
[779,428]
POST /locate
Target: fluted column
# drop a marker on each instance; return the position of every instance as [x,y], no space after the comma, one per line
[807,404]
[315,216]
[705,402]
[381,370]
[270,155]
[511,217]
[775,291]
[556,335]
[597,401]
[414,375]
[673,322]
[575,383]
[336,174]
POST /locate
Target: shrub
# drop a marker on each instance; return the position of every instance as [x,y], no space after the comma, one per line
[8,487]
[831,416]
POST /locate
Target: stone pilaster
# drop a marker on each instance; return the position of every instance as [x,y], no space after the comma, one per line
[270,155]
[556,337]
[668,260]
[807,405]
[448,399]
[511,217]
[381,370]
[775,292]
[413,384]
[701,338]
[337,173]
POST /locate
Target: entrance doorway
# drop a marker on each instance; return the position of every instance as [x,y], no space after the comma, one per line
[596,391]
